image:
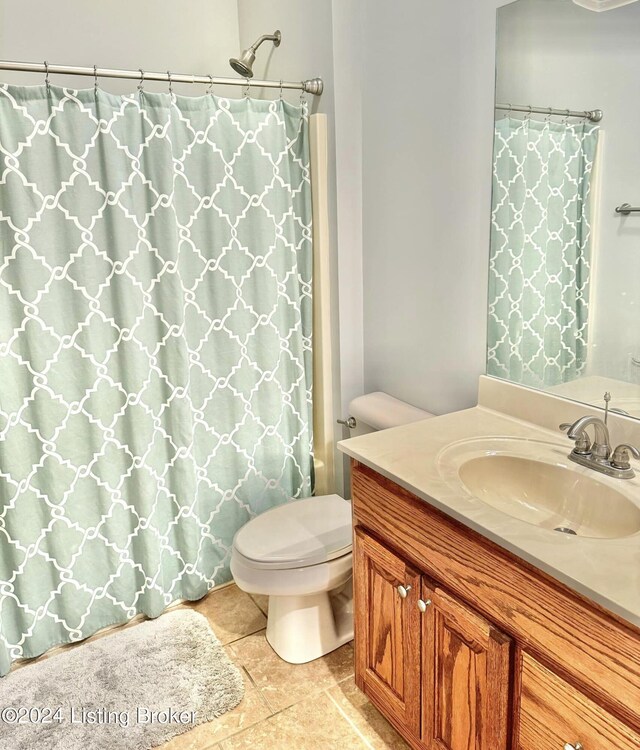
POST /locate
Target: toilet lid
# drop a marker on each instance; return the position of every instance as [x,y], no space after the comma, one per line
[298,534]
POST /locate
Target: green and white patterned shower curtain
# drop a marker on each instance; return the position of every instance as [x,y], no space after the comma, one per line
[155,348]
[539,271]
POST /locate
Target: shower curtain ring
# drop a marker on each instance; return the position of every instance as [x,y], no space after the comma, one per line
[95,79]
[170,82]
[303,101]
[141,82]
[281,89]
[247,91]
[210,88]
[46,74]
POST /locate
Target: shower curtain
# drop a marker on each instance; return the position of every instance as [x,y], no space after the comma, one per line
[540,251]
[155,348]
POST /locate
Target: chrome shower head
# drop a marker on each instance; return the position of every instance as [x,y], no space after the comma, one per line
[243,65]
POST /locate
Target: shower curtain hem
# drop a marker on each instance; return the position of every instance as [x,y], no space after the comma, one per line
[59,643]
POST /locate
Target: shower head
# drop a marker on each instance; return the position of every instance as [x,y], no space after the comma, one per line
[244,64]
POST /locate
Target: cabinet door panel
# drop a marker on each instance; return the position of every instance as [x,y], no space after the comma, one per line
[465,684]
[387,632]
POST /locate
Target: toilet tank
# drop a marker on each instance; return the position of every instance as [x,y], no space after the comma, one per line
[379,411]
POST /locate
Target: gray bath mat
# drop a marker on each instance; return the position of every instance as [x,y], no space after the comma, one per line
[132,690]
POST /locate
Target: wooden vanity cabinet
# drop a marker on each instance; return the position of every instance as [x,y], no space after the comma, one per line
[435,668]
[463,646]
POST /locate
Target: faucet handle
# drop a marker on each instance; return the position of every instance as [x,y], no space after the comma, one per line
[583,444]
[620,457]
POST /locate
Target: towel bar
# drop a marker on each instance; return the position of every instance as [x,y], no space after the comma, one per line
[626,208]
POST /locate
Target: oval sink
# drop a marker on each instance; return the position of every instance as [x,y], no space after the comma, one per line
[550,496]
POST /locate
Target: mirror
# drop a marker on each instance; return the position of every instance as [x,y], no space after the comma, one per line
[564,269]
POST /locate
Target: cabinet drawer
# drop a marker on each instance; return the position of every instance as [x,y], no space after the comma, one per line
[553,713]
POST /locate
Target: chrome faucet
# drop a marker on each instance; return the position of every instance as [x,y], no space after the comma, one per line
[601,448]
[598,455]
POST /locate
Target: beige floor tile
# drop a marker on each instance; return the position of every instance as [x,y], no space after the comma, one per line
[313,724]
[284,684]
[365,717]
[195,739]
[251,709]
[231,613]
[262,602]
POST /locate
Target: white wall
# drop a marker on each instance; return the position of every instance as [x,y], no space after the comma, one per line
[190,36]
[554,53]
[348,56]
[428,122]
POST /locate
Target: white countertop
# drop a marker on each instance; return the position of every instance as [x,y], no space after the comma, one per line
[606,571]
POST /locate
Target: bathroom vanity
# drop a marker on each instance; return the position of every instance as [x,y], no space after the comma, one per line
[476,630]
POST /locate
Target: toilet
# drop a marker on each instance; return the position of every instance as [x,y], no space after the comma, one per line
[300,555]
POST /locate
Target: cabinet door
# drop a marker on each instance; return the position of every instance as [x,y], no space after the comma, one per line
[387,632]
[465,676]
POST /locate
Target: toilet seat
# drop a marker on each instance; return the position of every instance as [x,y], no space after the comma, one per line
[299,534]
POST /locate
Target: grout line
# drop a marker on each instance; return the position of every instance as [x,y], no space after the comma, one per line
[263,693]
[274,712]
[304,697]
[350,678]
[268,719]
[349,721]
[252,681]
[251,726]
[240,730]
[241,637]
[259,607]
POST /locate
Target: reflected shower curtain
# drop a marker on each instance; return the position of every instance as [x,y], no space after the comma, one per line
[540,251]
[155,348]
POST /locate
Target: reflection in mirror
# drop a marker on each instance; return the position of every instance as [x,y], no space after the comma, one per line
[564,272]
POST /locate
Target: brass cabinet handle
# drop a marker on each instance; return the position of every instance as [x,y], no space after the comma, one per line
[577,746]
[422,606]
[404,590]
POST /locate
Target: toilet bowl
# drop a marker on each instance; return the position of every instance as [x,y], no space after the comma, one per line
[299,554]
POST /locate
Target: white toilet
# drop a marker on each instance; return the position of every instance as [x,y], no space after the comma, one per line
[299,555]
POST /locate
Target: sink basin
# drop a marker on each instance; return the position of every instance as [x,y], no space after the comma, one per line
[542,489]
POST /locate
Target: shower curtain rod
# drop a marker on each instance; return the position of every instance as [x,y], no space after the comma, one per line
[313,86]
[594,115]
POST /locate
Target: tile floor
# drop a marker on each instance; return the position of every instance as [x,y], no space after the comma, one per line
[286,706]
